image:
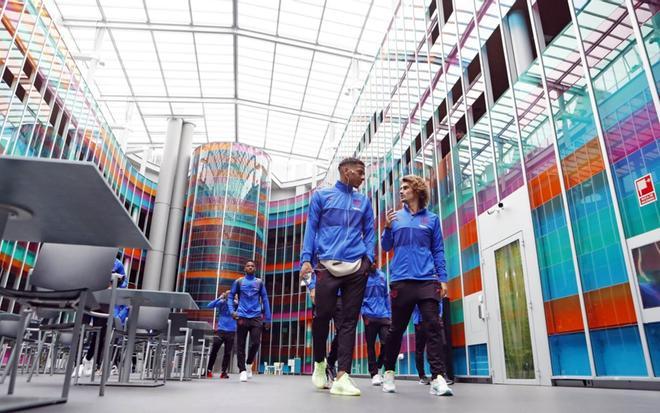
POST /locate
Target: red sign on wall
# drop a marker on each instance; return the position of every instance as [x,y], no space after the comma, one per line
[645,190]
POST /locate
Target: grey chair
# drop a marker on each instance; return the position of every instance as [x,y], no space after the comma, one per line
[65,276]
[177,336]
[152,325]
[9,329]
[198,350]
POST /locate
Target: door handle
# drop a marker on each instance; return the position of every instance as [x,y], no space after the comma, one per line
[482,312]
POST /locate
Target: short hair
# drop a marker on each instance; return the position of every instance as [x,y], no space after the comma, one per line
[250,261]
[420,187]
[350,162]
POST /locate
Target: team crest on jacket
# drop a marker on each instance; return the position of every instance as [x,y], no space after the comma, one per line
[424,220]
[357,203]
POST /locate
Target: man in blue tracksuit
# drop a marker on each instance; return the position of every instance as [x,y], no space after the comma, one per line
[417,277]
[225,334]
[252,314]
[340,233]
[376,314]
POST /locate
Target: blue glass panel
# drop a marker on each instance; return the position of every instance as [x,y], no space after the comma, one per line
[478,360]
[653,340]
[618,352]
[568,353]
[460,361]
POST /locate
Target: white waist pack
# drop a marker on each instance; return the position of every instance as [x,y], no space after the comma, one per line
[341,268]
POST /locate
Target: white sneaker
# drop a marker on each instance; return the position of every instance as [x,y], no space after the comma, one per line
[243,376]
[249,371]
[88,367]
[439,387]
[319,377]
[80,372]
[114,371]
[84,369]
[377,380]
[344,386]
[388,382]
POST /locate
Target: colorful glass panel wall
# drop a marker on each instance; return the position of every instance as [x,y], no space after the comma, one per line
[575,126]
[225,220]
[47,110]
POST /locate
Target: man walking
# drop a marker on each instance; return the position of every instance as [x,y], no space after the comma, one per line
[340,233]
[252,314]
[225,334]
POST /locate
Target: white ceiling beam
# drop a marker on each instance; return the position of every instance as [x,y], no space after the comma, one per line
[225,100]
[134,147]
[228,30]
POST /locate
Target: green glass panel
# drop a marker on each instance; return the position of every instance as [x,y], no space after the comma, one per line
[518,356]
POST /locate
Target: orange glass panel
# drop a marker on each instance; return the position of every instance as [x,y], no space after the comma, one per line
[610,307]
[544,187]
[472,281]
[582,164]
[563,315]
[468,234]
[458,335]
[454,286]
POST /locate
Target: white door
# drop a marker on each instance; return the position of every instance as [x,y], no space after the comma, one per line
[510,322]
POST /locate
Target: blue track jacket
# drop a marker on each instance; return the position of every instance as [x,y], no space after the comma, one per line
[225,320]
[419,253]
[121,311]
[376,302]
[417,315]
[340,225]
[251,290]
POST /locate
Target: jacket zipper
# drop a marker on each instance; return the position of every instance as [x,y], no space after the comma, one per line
[346,211]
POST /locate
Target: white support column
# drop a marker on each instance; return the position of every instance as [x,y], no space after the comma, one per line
[154,261]
[146,157]
[171,256]
[521,44]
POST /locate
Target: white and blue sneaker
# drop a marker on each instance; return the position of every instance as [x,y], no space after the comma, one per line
[388,382]
[439,387]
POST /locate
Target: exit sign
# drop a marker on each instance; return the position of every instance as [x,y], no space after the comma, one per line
[645,190]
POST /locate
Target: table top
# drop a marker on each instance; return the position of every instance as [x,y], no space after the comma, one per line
[149,298]
[69,201]
[200,325]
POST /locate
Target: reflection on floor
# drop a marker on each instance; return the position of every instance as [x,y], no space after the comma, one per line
[289,394]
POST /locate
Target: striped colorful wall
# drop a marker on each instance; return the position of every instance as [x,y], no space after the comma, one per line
[225,220]
[47,110]
[575,129]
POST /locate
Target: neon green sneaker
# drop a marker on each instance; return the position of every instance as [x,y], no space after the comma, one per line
[344,386]
[319,378]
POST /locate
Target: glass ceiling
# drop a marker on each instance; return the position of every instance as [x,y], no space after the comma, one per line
[282,75]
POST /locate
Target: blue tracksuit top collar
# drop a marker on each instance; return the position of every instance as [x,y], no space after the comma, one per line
[343,187]
[419,212]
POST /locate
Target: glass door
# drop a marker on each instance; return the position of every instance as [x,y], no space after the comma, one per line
[509,310]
